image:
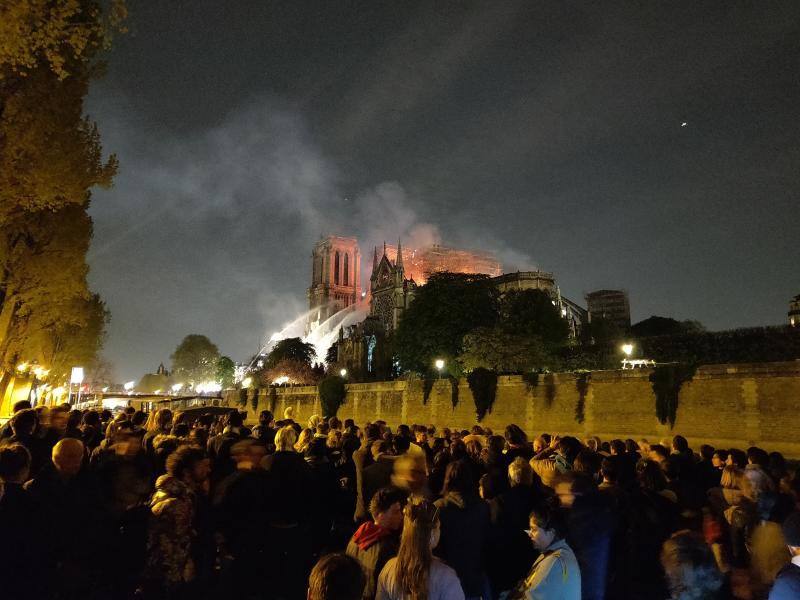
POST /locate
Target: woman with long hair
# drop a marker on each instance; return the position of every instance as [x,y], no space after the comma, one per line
[415,574]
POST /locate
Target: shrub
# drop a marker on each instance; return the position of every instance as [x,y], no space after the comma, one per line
[331,395]
[483,384]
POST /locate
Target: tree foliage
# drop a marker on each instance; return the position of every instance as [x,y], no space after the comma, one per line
[50,158]
[292,349]
[499,350]
[226,369]
[532,314]
[654,325]
[195,360]
[332,393]
[444,310]
[297,372]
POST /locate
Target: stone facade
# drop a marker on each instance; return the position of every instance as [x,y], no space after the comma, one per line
[724,405]
[335,278]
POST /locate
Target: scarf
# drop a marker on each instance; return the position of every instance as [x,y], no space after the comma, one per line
[369,534]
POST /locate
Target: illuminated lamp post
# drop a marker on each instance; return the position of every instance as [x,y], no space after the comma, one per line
[627,350]
[439,364]
[343,373]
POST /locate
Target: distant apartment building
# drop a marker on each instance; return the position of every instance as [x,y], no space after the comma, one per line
[611,305]
[794,311]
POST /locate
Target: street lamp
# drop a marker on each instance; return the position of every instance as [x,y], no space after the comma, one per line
[247,382]
[627,349]
[439,364]
[177,388]
[343,373]
[129,386]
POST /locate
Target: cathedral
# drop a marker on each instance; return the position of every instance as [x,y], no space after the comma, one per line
[335,286]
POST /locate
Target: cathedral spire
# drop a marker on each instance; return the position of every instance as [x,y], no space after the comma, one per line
[399,261]
[374,258]
[384,247]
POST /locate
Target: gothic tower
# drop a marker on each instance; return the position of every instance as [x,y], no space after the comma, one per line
[335,277]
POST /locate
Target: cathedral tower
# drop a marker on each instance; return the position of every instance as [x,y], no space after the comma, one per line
[335,277]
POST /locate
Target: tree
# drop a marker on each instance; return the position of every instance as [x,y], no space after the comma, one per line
[152,382]
[498,350]
[444,310]
[603,331]
[332,393]
[50,158]
[293,349]
[531,313]
[332,355]
[226,370]
[295,371]
[654,325]
[195,360]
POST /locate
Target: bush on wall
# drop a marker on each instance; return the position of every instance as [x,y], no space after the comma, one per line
[667,381]
[483,385]
[331,395]
[582,385]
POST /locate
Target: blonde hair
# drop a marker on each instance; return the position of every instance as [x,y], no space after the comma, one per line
[305,438]
[414,556]
[520,472]
[285,439]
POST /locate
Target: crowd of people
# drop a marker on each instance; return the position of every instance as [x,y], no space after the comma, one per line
[161,505]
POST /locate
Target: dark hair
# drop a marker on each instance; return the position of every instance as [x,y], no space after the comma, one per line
[495,444]
[650,476]
[722,453]
[758,456]
[372,431]
[349,423]
[680,444]
[609,469]
[180,430]
[548,516]
[587,462]
[139,418]
[24,421]
[14,459]
[458,478]
[631,446]
[515,435]
[336,577]
[317,448]
[401,444]
[235,418]
[91,418]
[690,566]
[184,459]
[706,451]
[738,457]
[265,417]
[20,405]
[569,447]
[385,497]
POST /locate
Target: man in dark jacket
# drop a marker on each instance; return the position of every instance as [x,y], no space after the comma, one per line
[787,584]
[376,541]
[362,458]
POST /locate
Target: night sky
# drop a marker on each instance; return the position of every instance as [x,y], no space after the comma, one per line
[551,133]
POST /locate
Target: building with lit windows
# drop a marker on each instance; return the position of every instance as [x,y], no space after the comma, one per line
[794,311]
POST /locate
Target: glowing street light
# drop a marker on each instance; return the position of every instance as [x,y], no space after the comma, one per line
[343,372]
[129,386]
[439,364]
[247,382]
[177,388]
[22,367]
[627,349]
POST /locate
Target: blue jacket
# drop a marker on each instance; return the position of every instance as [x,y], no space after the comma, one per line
[787,584]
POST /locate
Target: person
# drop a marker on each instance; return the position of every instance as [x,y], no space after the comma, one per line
[23,425]
[510,553]
[362,458]
[22,536]
[555,573]
[376,541]
[170,562]
[5,430]
[691,569]
[336,577]
[159,423]
[787,583]
[415,574]
[465,524]
[264,432]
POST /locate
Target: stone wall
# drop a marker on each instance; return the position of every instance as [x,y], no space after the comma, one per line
[724,405]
